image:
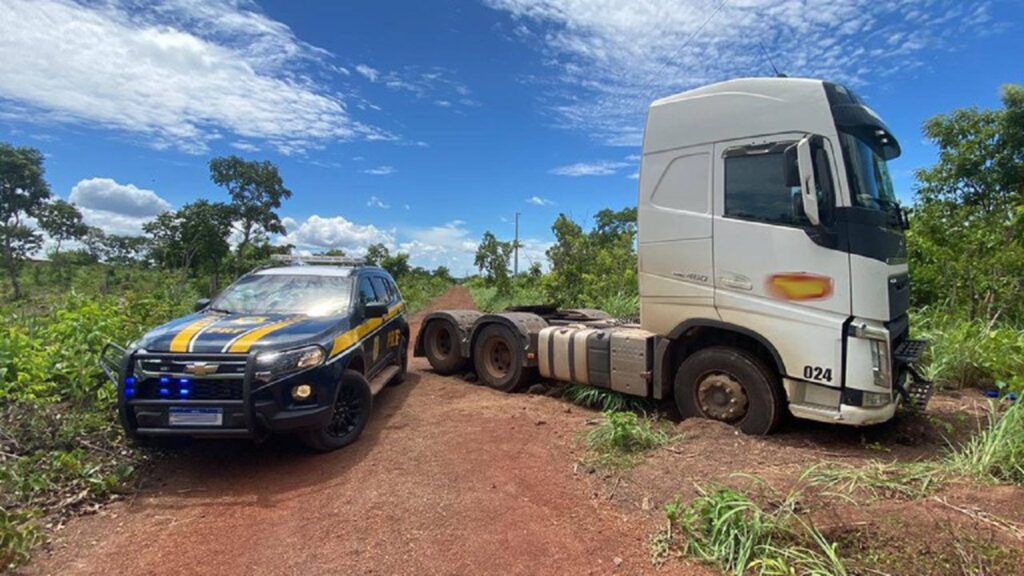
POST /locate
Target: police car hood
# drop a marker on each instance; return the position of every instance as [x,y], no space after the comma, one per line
[223,333]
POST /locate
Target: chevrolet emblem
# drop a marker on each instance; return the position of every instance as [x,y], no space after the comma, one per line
[201,368]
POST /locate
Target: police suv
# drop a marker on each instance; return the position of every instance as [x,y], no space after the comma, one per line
[298,348]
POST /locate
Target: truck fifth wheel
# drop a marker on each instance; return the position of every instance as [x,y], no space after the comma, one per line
[772,265]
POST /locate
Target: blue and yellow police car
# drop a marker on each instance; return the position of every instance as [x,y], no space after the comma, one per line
[301,348]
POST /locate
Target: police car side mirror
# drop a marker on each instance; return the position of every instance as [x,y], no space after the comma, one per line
[375,309]
[201,303]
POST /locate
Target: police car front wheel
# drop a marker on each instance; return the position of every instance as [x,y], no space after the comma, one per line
[351,412]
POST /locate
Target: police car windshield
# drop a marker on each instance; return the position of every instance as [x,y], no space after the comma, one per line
[286,294]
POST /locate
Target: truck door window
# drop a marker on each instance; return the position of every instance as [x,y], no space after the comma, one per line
[755,187]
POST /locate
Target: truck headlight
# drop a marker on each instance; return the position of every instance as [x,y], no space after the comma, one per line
[270,365]
[881,365]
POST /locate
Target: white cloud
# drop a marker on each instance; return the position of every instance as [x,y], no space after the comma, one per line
[538,201]
[180,74]
[381,171]
[375,202]
[116,208]
[435,82]
[324,233]
[634,176]
[245,146]
[368,72]
[602,168]
[448,245]
[611,58]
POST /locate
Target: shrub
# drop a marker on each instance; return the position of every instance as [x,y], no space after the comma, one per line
[971,352]
[622,438]
[604,399]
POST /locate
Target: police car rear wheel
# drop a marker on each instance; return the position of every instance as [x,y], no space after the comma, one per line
[350,413]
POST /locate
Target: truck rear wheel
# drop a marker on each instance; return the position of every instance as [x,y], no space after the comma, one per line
[441,346]
[732,386]
[498,357]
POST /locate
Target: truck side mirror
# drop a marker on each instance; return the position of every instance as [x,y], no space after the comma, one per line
[808,188]
[201,303]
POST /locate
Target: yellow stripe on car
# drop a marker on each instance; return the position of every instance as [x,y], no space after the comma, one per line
[181,339]
[353,336]
[244,342]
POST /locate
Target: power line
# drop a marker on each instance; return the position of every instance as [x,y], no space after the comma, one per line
[679,50]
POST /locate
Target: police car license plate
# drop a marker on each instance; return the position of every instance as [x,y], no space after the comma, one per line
[177,416]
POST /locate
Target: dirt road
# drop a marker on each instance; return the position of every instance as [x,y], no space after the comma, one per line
[448,478]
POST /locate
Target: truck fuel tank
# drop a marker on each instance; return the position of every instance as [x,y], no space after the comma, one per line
[616,357]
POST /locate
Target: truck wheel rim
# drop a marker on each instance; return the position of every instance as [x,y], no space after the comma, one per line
[347,412]
[442,343]
[497,357]
[722,397]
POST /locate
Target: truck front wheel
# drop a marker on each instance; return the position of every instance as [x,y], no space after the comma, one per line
[732,386]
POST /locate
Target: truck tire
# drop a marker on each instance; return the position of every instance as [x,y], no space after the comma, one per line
[352,406]
[732,386]
[441,347]
[498,357]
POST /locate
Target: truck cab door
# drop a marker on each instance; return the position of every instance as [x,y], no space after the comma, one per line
[776,273]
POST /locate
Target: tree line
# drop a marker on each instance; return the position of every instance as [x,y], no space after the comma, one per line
[195,239]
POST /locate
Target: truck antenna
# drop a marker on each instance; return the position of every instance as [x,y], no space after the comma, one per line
[770,63]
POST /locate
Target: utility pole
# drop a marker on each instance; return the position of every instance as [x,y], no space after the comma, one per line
[515,248]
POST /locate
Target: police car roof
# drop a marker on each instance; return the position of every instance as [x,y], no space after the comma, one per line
[308,270]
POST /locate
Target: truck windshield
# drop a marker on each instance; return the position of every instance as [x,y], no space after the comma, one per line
[286,294]
[870,184]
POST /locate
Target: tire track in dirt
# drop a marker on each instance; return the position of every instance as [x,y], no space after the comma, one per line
[448,478]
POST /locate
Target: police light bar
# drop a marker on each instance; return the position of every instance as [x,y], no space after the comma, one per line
[315,259]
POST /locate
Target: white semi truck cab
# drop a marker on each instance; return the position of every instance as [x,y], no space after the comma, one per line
[772,265]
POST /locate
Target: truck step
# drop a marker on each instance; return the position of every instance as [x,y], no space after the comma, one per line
[382,378]
[918,391]
[910,351]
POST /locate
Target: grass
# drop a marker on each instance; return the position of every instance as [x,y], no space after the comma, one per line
[727,528]
[996,453]
[622,438]
[877,480]
[604,399]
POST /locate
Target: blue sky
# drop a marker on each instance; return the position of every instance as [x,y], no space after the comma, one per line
[421,124]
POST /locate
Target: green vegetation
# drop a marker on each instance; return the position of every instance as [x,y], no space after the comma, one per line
[726,528]
[996,454]
[605,400]
[589,269]
[621,440]
[61,448]
[877,480]
[967,248]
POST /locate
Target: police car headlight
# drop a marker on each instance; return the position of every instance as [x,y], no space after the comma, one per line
[270,365]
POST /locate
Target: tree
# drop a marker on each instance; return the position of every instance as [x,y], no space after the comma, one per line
[589,267]
[966,242]
[376,253]
[194,238]
[334,252]
[397,265]
[23,192]
[256,191]
[492,258]
[62,221]
[443,273]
